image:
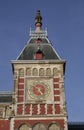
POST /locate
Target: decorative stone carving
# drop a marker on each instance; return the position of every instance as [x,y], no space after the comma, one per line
[9,111]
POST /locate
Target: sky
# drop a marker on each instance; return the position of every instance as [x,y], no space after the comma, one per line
[64,20]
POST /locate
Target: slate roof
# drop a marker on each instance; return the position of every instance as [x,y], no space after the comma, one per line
[33,45]
[45,46]
[5,97]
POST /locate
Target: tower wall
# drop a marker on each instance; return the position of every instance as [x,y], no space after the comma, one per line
[38,96]
[48,110]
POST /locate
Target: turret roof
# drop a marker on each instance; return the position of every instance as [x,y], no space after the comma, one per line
[38,39]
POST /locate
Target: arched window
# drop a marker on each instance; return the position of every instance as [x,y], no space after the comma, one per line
[21,72]
[28,71]
[48,72]
[55,73]
[39,126]
[41,72]
[35,72]
[38,54]
[54,126]
[23,127]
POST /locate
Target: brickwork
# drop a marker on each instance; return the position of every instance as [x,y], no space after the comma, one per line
[27,109]
[20,109]
[50,109]
[32,123]
[42,109]
[38,96]
[4,124]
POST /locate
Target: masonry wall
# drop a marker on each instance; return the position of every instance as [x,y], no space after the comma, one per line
[4,124]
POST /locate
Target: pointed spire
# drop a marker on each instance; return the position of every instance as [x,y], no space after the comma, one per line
[38,21]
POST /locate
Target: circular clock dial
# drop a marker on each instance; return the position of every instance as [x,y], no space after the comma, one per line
[39,90]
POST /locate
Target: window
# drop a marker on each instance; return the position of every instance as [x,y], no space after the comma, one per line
[38,56]
[39,126]
[55,73]
[35,72]
[23,127]
[48,72]
[21,72]
[41,72]
[28,71]
[54,126]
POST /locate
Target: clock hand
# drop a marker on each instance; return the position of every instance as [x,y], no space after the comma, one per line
[39,90]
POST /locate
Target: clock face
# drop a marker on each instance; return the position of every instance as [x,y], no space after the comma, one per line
[39,90]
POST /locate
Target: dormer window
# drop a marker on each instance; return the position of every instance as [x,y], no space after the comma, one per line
[38,54]
[39,40]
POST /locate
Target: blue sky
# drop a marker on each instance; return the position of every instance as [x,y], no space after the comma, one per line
[65,22]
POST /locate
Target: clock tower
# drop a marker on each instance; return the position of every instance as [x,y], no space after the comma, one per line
[39,97]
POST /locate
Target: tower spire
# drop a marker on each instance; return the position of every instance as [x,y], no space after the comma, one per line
[38,21]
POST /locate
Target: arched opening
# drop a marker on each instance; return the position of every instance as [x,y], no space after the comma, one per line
[39,126]
[55,72]
[35,72]
[54,126]
[28,71]
[23,127]
[41,72]
[48,72]
[21,72]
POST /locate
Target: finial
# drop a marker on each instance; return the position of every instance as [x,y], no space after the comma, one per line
[38,20]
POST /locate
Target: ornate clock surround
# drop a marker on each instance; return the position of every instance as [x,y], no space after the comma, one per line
[39,89]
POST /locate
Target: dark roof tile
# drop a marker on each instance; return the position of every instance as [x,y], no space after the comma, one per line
[30,49]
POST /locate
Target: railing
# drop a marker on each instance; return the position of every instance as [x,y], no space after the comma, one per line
[40,33]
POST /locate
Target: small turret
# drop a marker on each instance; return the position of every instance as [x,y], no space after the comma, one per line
[38,21]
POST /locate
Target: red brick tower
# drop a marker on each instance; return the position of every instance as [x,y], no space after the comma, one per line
[39,97]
